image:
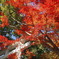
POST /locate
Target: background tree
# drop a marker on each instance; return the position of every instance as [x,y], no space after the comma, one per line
[28,23]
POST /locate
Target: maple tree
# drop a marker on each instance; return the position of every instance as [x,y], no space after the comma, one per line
[36,22]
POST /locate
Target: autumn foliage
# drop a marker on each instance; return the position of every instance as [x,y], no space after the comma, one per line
[39,25]
[4,20]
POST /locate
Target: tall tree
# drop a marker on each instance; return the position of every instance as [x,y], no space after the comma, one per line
[35,22]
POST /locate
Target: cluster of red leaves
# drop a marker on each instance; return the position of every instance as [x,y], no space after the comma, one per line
[12,56]
[4,20]
[19,3]
[1,13]
[4,42]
